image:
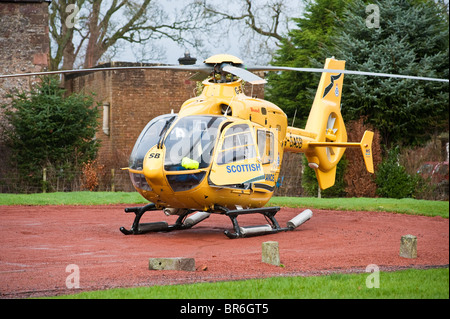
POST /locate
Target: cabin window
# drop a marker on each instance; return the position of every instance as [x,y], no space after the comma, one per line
[238,145]
[139,181]
[148,138]
[184,182]
[266,146]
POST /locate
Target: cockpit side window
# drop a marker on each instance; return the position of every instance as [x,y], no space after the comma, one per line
[148,138]
[237,163]
[190,143]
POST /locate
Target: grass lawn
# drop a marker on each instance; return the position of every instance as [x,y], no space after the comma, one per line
[73,198]
[404,206]
[405,284]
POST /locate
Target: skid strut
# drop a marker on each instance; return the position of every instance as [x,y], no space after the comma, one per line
[141,228]
[239,232]
[269,213]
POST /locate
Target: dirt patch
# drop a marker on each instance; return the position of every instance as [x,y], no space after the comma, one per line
[38,243]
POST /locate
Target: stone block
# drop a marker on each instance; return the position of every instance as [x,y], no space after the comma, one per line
[177,263]
[270,253]
[408,246]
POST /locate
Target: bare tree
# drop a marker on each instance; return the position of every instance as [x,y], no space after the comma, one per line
[262,25]
[250,19]
[62,34]
[83,30]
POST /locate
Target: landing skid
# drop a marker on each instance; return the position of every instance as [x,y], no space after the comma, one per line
[239,232]
[142,228]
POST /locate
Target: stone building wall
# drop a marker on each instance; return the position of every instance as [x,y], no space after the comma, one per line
[24,41]
[24,48]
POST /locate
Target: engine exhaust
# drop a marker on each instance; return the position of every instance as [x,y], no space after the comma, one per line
[196,218]
[299,219]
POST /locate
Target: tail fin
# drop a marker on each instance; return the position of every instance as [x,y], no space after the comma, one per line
[366,148]
[326,123]
[327,179]
[365,145]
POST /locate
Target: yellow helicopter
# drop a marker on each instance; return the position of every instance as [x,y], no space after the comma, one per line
[222,152]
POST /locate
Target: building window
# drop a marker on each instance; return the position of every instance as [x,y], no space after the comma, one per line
[106,118]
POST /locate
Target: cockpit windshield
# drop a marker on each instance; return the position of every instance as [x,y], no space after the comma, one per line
[190,143]
[148,138]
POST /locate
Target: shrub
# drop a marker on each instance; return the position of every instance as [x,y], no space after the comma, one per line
[359,182]
[90,178]
[392,179]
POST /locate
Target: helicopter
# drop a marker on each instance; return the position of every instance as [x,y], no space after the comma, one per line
[222,152]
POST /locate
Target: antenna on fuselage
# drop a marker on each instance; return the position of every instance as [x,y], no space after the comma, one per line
[293,120]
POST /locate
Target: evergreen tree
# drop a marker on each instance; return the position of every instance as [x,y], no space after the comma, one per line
[294,91]
[392,179]
[49,130]
[412,39]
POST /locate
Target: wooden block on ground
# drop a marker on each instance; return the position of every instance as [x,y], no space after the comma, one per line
[408,246]
[177,263]
[270,253]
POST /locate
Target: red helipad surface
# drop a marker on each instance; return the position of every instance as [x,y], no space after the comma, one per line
[38,243]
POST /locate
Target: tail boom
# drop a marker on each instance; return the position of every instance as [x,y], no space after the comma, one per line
[300,143]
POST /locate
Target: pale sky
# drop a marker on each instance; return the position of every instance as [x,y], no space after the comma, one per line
[227,40]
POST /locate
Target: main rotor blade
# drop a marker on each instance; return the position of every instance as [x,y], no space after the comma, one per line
[244,74]
[204,68]
[194,68]
[285,68]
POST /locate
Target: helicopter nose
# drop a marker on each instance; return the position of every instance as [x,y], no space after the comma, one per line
[153,167]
